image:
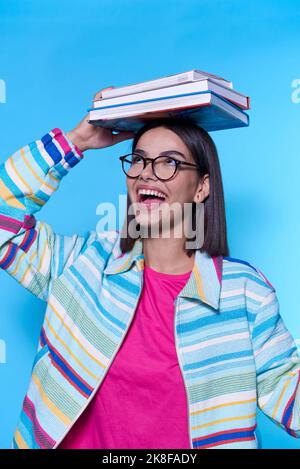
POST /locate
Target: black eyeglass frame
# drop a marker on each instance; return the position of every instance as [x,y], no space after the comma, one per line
[177,162]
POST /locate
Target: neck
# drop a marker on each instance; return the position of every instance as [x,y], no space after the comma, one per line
[167,255]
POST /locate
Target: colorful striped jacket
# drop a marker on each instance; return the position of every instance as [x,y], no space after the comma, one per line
[233,348]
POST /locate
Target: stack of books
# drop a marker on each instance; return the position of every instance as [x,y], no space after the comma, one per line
[210,101]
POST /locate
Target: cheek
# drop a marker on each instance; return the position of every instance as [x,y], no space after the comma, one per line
[182,190]
[129,185]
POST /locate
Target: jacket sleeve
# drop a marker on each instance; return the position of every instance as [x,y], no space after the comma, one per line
[29,249]
[277,366]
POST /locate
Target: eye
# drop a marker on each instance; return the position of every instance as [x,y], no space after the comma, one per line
[170,161]
[136,159]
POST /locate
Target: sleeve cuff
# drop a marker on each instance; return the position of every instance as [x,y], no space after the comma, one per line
[60,146]
[66,144]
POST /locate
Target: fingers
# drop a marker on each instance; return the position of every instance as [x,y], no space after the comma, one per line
[98,95]
[124,135]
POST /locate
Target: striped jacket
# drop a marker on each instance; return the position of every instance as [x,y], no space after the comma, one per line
[233,347]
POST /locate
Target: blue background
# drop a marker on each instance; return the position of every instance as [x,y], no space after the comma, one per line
[55,55]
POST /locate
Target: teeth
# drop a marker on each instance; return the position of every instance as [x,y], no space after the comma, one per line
[151,192]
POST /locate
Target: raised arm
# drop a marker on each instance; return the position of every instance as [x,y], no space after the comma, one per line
[29,249]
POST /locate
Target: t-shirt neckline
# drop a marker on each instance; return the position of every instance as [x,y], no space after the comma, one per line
[164,275]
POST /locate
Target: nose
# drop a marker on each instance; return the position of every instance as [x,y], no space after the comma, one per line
[147,171]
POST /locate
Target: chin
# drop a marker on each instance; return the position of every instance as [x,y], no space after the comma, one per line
[147,221]
[154,227]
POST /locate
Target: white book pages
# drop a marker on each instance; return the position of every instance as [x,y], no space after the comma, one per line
[179,78]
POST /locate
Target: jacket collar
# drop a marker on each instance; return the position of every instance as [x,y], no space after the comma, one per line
[204,283]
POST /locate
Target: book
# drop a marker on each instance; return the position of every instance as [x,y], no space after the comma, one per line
[175,91]
[160,104]
[169,80]
[207,110]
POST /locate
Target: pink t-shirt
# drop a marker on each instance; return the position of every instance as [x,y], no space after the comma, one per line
[142,401]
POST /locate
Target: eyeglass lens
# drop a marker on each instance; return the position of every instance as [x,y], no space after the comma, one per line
[164,166]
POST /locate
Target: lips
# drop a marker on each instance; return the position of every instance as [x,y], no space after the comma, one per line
[151,203]
[143,194]
[150,200]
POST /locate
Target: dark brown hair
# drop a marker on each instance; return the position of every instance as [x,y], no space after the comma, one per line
[205,155]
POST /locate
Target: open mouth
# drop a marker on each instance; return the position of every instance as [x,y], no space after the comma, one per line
[150,197]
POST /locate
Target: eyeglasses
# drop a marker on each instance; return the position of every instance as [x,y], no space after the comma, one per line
[163,167]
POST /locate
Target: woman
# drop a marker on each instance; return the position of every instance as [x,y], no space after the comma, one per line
[145,343]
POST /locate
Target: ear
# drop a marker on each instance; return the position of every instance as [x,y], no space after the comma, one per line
[202,190]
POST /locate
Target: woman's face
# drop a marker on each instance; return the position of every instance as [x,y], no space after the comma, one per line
[184,187]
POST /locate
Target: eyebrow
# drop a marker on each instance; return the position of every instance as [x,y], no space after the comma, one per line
[163,153]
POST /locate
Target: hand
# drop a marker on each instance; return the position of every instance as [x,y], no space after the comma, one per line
[87,136]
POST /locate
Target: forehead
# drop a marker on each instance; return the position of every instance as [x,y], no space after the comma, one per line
[161,139]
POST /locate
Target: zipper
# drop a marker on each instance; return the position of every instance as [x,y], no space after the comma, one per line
[187,396]
[98,385]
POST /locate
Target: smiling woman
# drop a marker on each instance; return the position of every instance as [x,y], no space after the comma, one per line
[144,344]
[193,177]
